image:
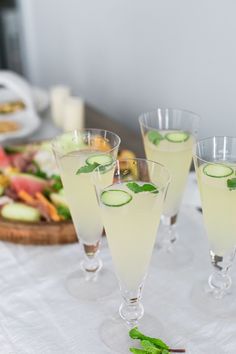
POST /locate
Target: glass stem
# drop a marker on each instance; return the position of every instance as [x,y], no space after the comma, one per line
[220,281]
[169,234]
[91,263]
[131,309]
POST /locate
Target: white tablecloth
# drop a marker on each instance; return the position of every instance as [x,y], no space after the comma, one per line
[38,316]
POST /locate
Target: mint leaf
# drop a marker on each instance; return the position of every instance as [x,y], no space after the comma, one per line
[231,183]
[137,351]
[150,347]
[146,187]
[146,344]
[135,334]
[87,168]
[155,137]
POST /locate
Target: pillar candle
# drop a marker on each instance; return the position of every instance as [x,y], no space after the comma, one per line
[74,114]
[59,96]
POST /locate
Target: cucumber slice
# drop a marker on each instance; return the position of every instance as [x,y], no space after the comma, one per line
[177,137]
[20,212]
[101,159]
[217,170]
[115,198]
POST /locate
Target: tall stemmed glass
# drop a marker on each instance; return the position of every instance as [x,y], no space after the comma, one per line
[168,137]
[215,164]
[131,208]
[77,154]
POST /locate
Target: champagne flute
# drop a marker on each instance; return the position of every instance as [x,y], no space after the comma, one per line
[131,208]
[77,153]
[215,164]
[168,137]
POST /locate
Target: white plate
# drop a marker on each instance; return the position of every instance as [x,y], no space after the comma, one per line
[13,87]
[40,98]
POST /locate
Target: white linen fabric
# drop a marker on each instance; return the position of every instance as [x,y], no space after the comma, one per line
[39,316]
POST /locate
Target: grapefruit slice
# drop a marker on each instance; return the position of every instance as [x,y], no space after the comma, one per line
[28,183]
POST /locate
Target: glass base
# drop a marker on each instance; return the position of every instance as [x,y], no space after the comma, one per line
[91,288]
[178,256]
[114,333]
[172,249]
[204,300]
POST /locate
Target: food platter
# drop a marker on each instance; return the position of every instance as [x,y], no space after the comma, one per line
[33,207]
[23,169]
[37,233]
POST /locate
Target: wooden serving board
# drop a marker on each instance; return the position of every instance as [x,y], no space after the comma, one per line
[41,233]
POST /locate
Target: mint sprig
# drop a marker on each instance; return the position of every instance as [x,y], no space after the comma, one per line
[146,187]
[231,183]
[87,168]
[150,345]
[155,137]
[134,333]
[137,351]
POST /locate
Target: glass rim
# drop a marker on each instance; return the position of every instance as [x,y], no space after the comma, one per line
[141,159]
[56,138]
[209,138]
[194,115]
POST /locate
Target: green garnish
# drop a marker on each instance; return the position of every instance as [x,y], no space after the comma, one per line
[64,212]
[87,168]
[47,192]
[57,185]
[146,187]
[150,345]
[135,334]
[155,137]
[231,183]
[38,172]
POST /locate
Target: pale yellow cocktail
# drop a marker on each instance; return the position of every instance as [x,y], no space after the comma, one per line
[80,193]
[218,204]
[131,221]
[173,149]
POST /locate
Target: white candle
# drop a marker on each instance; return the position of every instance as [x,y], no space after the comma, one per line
[74,114]
[58,95]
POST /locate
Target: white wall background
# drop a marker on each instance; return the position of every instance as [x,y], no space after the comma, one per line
[129,56]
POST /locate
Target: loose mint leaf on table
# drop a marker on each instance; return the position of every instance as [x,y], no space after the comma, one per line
[87,168]
[147,187]
[155,137]
[137,351]
[135,334]
[150,347]
[231,183]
